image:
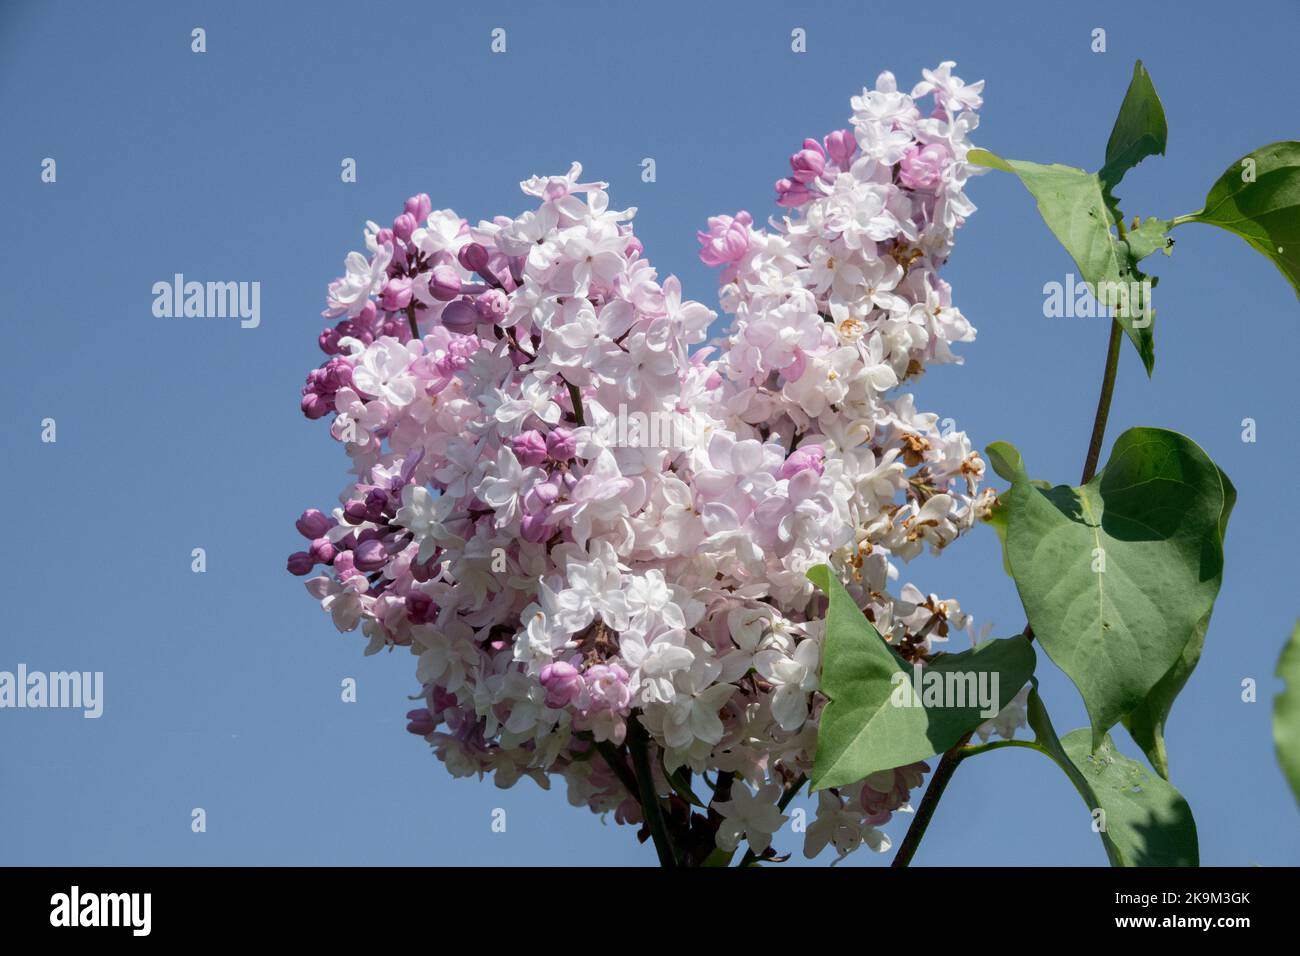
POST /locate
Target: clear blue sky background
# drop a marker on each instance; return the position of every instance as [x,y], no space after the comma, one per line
[223,689]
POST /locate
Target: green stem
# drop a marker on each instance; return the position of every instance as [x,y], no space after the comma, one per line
[998,745]
[1103,401]
[638,744]
[575,396]
[938,784]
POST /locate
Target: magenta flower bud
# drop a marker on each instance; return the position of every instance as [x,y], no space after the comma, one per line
[403,226]
[790,193]
[421,722]
[444,283]
[492,305]
[397,294]
[384,237]
[323,551]
[345,565]
[810,457]
[419,206]
[809,162]
[328,341]
[420,607]
[529,447]
[534,528]
[300,563]
[356,512]
[840,146]
[315,406]
[473,257]
[561,444]
[563,684]
[460,316]
[377,504]
[313,523]
[633,247]
[370,556]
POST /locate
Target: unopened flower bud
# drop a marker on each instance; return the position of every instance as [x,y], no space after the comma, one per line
[300,563]
[492,305]
[561,444]
[403,226]
[397,294]
[370,556]
[563,683]
[421,722]
[529,447]
[808,458]
[323,551]
[419,607]
[315,406]
[809,162]
[419,206]
[473,257]
[444,283]
[460,317]
[313,523]
[840,147]
[377,504]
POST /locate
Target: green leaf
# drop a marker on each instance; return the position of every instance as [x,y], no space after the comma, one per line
[1116,576]
[1146,724]
[1148,237]
[873,720]
[1286,712]
[1146,821]
[1264,211]
[1072,204]
[1140,131]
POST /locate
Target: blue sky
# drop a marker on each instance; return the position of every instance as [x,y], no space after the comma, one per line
[222,689]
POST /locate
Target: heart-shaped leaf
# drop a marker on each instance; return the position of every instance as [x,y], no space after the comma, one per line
[1258,198]
[1116,576]
[875,719]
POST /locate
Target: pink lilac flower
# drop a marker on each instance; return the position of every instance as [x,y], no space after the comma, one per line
[558,575]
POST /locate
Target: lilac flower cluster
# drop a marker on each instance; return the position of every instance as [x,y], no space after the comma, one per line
[574,518]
